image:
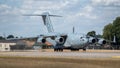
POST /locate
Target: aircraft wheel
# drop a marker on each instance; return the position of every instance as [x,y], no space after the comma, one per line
[77,49]
[55,49]
[84,49]
[72,49]
[61,50]
[58,49]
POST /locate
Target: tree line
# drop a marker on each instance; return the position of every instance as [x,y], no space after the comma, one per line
[112,30]
[8,37]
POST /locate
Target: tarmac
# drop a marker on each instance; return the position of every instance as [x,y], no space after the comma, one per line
[65,54]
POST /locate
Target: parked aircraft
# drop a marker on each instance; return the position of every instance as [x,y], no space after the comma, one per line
[61,41]
[72,41]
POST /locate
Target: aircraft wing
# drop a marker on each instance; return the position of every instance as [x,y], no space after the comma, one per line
[57,37]
[50,35]
[27,38]
[53,36]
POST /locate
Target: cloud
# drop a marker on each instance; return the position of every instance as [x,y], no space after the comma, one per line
[107,2]
[4,9]
[83,14]
[87,12]
[9,14]
[47,4]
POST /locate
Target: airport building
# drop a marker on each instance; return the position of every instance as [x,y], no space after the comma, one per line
[5,45]
[8,45]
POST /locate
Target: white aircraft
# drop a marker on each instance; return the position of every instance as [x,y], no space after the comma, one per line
[72,41]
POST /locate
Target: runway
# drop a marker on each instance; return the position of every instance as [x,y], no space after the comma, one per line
[67,59]
[65,54]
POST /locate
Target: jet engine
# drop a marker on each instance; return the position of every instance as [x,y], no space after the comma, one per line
[102,41]
[59,40]
[41,40]
[92,40]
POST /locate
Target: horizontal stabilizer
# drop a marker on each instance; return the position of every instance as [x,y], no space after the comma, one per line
[41,15]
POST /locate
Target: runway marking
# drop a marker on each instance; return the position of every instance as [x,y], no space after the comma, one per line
[115,56]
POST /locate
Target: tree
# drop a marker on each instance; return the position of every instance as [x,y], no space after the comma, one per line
[91,33]
[2,38]
[99,36]
[111,30]
[116,29]
[10,36]
[108,32]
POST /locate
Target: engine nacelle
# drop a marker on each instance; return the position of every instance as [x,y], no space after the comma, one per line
[59,40]
[92,40]
[102,41]
[41,40]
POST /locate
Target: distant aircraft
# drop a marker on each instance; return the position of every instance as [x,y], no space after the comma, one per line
[61,41]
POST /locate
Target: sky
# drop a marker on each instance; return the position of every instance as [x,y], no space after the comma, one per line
[84,15]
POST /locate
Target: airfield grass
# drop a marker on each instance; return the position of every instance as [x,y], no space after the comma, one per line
[55,62]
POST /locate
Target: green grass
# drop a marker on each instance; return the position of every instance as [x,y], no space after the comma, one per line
[47,62]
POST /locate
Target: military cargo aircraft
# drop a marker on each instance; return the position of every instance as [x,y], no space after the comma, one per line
[72,41]
[61,41]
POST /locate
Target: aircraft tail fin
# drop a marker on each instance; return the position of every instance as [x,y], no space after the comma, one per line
[46,19]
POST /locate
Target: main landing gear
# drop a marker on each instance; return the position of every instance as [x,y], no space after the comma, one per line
[58,49]
[72,49]
[84,49]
